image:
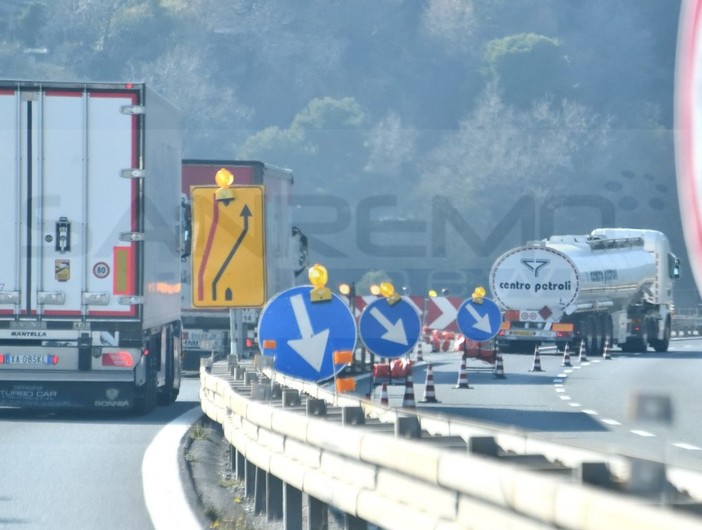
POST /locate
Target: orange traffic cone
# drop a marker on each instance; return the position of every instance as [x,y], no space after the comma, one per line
[566,357]
[429,393]
[420,357]
[408,399]
[384,395]
[605,352]
[536,367]
[462,375]
[499,372]
[582,356]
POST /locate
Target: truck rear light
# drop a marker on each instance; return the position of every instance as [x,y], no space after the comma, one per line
[122,359]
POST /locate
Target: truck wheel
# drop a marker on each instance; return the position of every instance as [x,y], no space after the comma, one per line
[661,345]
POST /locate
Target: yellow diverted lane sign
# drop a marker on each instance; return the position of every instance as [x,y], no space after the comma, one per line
[228,253]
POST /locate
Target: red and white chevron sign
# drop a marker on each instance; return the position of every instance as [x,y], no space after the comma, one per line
[441,311]
[688,126]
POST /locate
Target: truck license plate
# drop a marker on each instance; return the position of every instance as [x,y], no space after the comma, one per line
[28,359]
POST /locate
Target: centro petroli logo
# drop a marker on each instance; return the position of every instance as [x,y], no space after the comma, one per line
[535,265]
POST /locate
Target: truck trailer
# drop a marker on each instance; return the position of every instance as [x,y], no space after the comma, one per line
[90,281]
[207,331]
[611,287]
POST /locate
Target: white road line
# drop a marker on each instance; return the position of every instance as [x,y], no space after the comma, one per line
[590,412]
[560,389]
[163,493]
[574,404]
[689,447]
[565,398]
[645,434]
[610,421]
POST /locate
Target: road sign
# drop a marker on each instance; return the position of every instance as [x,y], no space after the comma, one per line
[228,253]
[303,335]
[479,321]
[389,330]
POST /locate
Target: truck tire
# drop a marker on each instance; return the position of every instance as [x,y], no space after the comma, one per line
[661,345]
[167,394]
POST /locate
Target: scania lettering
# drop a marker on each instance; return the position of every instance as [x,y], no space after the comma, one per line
[611,287]
[90,281]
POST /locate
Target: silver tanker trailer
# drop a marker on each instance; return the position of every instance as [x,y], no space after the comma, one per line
[614,285]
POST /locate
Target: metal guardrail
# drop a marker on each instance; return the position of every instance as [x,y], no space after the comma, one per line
[349,459]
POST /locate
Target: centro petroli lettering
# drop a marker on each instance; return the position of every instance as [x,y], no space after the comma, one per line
[543,286]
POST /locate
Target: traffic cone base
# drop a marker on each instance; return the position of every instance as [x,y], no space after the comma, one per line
[566,357]
[462,375]
[429,391]
[536,366]
[582,356]
[408,399]
[499,372]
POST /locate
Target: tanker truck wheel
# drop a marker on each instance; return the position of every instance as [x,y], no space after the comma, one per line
[594,338]
[662,344]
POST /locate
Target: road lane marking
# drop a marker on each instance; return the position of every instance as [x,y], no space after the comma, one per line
[645,434]
[590,412]
[610,421]
[574,404]
[165,499]
[689,447]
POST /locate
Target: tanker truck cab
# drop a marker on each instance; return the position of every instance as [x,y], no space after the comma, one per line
[610,287]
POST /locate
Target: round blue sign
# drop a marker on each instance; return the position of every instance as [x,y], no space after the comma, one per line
[389,330]
[479,321]
[303,335]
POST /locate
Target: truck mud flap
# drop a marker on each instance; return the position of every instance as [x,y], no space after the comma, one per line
[66,395]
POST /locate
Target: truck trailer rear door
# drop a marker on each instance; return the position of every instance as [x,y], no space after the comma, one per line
[67,211]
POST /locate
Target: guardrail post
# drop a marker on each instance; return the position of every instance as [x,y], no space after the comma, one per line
[274,497]
[260,491]
[317,514]
[250,377]
[407,427]
[260,391]
[249,479]
[290,398]
[292,509]
[238,464]
[352,416]
[316,407]
[232,363]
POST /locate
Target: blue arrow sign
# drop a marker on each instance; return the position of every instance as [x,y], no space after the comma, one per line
[303,335]
[479,321]
[389,330]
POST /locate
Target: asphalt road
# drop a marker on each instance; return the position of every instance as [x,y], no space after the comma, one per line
[587,404]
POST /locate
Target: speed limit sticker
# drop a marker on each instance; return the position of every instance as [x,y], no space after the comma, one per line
[101,270]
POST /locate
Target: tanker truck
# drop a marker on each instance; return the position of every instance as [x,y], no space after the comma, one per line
[611,287]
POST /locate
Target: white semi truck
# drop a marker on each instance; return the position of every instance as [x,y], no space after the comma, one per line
[614,285]
[90,275]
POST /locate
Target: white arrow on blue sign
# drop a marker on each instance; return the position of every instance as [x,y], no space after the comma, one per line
[306,334]
[479,321]
[389,330]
